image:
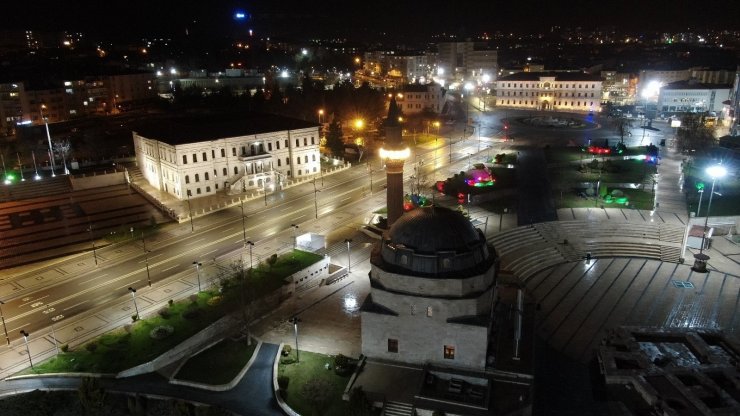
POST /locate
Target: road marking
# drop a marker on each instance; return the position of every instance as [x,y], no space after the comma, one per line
[76,305]
[296,219]
[33,301]
[346,199]
[212,251]
[193,242]
[170,268]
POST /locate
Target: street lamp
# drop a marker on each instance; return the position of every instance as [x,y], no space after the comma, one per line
[294,320]
[28,350]
[700,260]
[2,317]
[133,296]
[250,244]
[197,271]
[370,174]
[190,213]
[244,226]
[48,137]
[53,334]
[92,241]
[295,236]
[321,115]
[349,263]
[316,198]
[146,259]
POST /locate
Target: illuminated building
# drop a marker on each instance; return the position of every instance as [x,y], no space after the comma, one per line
[564,91]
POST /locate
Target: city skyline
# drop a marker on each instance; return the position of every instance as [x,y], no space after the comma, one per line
[379,19]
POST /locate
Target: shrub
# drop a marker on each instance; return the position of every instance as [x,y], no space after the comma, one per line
[171,302]
[287,361]
[65,348]
[287,349]
[191,313]
[617,193]
[193,298]
[91,347]
[283,381]
[127,328]
[164,313]
[134,318]
[161,332]
[215,300]
[272,260]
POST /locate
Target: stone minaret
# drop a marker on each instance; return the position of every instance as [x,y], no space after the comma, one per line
[394,153]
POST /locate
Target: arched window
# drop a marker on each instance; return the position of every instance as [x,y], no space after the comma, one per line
[187,178]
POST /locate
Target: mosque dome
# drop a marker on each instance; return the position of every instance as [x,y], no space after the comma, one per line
[434,240]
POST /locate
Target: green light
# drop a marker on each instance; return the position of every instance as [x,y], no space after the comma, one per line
[700,186]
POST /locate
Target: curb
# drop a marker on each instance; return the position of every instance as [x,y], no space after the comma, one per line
[276,391]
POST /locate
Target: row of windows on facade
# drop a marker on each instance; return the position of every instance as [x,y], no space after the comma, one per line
[236,168]
[448,351]
[546,94]
[244,150]
[547,85]
[418,96]
[572,103]
[251,183]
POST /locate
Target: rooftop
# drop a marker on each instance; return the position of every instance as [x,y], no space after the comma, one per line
[559,76]
[694,85]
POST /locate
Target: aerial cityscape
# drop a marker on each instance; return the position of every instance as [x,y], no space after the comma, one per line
[385,208]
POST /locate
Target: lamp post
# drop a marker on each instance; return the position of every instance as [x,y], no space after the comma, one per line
[2,317]
[197,265]
[700,187]
[700,260]
[132,232]
[250,244]
[53,334]
[48,138]
[315,199]
[190,213]
[92,241]
[321,115]
[28,350]
[146,259]
[244,226]
[294,320]
[349,263]
[370,174]
[295,236]
[133,296]
[20,166]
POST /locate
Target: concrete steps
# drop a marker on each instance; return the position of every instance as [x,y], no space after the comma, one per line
[397,409]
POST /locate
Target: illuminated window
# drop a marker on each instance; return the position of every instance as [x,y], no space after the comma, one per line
[392,345]
[449,352]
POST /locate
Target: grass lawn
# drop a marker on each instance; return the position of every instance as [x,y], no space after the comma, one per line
[133,344]
[626,171]
[728,203]
[219,364]
[312,367]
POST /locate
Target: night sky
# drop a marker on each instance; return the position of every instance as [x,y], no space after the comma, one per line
[136,18]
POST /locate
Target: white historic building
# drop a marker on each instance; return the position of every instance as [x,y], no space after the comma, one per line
[693,96]
[197,156]
[565,91]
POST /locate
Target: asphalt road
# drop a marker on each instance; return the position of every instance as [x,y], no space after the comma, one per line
[35,299]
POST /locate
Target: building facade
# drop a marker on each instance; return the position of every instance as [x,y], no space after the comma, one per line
[560,91]
[432,280]
[693,96]
[418,98]
[618,88]
[465,61]
[188,156]
[732,108]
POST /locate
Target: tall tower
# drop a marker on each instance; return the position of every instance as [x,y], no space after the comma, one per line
[394,153]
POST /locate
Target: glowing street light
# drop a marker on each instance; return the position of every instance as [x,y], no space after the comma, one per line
[359,123]
[700,260]
[321,115]
[48,138]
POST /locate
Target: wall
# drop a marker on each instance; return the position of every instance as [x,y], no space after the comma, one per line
[97,181]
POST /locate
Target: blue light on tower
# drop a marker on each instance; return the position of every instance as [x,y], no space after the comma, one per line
[240,15]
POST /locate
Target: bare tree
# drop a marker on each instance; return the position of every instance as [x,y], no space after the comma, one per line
[623,125]
[62,148]
[694,135]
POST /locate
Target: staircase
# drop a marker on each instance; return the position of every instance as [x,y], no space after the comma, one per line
[397,409]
